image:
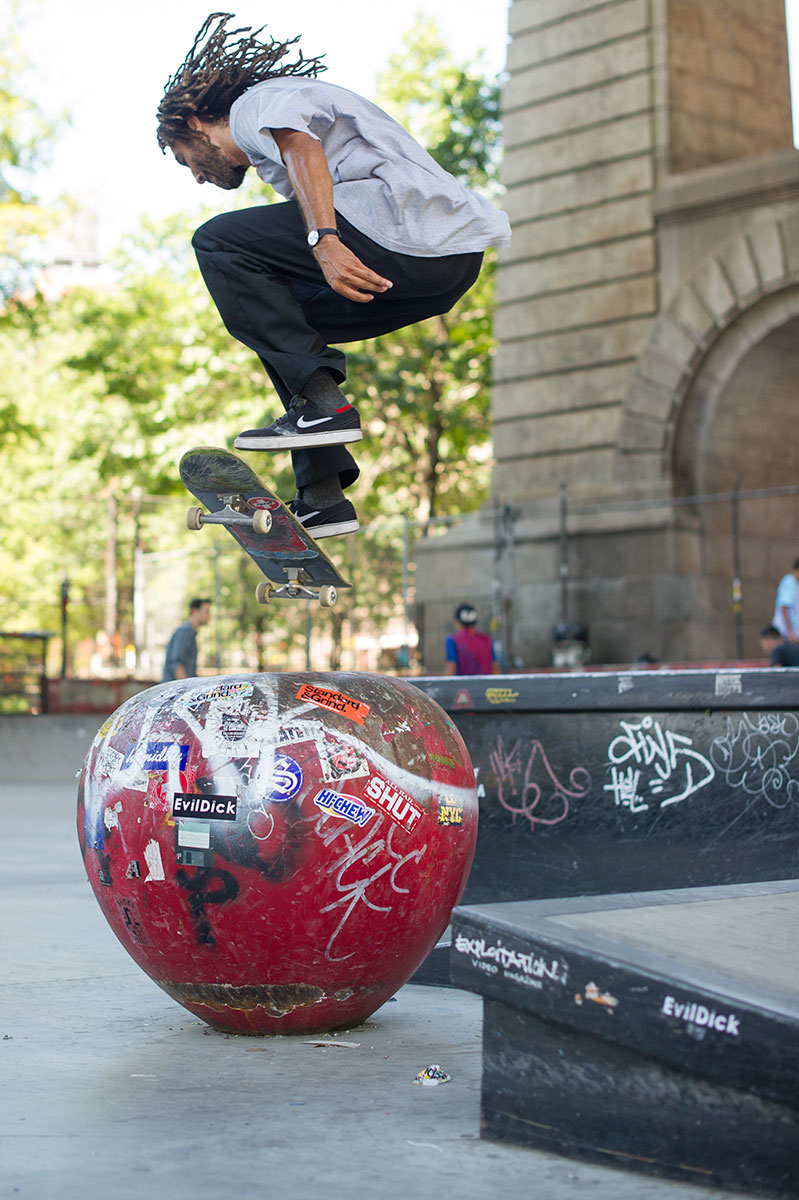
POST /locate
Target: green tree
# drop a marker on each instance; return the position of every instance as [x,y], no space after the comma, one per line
[118,382]
[451,108]
[26,137]
[426,389]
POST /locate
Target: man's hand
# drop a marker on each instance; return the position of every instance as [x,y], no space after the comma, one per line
[312,185]
[345,272]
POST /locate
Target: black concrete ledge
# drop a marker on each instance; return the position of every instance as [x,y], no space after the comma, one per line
[664,689]
[658,1031]
[528,954]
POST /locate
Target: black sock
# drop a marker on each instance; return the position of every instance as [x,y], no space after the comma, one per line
[324,393]
[323,493]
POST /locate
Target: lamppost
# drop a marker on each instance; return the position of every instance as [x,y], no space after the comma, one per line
[64,607]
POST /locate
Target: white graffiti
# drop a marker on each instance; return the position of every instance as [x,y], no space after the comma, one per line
[534,965]
[648,762]
[755,753]
[260,823]
[356,871]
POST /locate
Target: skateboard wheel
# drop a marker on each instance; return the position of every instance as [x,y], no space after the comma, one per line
[194,518]
[261,520]
[264,593]
[327,596]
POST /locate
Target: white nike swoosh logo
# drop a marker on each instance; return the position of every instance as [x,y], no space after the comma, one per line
[304,423]
[308,516]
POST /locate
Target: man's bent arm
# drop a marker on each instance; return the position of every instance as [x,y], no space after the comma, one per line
[312,184]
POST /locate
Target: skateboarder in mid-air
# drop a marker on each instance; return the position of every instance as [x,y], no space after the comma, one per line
[373,236]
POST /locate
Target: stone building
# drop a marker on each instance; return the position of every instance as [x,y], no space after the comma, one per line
[647,369]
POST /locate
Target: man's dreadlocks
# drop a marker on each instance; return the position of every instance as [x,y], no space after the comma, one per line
[213,75]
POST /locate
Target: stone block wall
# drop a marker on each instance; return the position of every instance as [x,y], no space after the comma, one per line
[728,79]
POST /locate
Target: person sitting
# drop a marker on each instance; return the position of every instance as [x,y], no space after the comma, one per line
[780,653]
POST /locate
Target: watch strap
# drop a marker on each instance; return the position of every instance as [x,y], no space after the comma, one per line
[316,235]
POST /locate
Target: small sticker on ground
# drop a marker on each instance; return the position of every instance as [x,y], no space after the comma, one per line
[431,1076]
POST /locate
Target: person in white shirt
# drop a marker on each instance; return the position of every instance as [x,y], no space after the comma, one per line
[786,605]
[374,235]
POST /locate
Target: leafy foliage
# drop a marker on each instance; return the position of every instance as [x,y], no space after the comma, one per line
[26,137]
[101,391]
[452,109]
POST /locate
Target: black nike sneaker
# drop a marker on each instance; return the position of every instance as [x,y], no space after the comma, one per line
[325,522]
[303,425]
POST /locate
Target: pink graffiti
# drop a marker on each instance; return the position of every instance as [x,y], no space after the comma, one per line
[522,796]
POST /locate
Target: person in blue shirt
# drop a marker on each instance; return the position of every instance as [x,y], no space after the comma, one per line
[180,661]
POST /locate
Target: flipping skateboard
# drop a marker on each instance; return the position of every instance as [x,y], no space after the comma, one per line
[275,540]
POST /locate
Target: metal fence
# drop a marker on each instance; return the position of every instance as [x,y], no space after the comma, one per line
[23,672]
[153,570]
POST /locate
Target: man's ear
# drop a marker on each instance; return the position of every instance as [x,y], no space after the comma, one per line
[194,123]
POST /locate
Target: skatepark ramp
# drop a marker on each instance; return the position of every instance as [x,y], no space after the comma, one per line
[658,1032]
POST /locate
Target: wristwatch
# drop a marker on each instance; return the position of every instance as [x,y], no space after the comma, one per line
[315,235]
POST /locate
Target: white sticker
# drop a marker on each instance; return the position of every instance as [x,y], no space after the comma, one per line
[111,816]
[155,867]
[196,836]
[728,685]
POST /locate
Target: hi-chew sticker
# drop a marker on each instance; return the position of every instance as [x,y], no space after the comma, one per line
[356,710]
[335,805]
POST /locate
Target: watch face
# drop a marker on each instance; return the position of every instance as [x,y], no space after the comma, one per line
[313,237]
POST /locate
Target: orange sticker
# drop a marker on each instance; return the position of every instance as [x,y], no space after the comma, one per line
[334,701]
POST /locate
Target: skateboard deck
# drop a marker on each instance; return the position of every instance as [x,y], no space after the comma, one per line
[262,525]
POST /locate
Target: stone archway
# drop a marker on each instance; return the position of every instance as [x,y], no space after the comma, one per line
[716,393]
[747,288]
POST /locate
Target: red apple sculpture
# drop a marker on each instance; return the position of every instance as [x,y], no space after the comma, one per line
[278,852]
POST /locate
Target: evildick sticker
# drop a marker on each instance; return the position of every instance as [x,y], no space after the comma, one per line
[287,781]
[208,808]
[394,802]
[336,805]
[698,1015]
[356,710]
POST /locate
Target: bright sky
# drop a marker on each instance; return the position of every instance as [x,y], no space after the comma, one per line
[106,63]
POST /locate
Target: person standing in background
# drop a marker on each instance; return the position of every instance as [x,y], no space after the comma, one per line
[180,661]
[469,652]
[786,608]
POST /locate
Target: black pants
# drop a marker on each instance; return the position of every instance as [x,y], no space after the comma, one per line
[272,296]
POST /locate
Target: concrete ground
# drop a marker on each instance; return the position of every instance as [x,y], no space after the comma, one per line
[110,1089]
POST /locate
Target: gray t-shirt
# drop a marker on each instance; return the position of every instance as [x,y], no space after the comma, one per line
[384,183]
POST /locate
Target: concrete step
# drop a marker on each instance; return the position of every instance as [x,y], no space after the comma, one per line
[658,1031]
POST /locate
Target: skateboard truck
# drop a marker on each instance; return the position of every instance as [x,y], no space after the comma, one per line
[297,586]
[236,512]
